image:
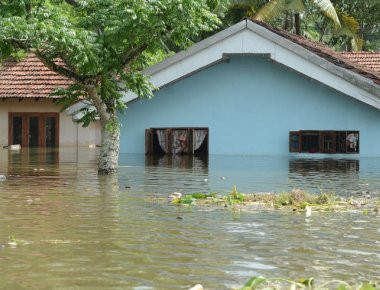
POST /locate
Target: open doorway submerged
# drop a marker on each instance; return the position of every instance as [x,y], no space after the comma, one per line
[177,141]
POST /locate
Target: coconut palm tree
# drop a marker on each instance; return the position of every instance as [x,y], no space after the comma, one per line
[274,8]
[264,10]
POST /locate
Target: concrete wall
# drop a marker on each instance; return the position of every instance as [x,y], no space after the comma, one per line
[250,104]
[71,134]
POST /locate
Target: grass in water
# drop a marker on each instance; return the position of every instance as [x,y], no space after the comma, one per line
[295,200]
[280,283]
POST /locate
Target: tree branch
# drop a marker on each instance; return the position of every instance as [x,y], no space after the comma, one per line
[59,69]
[72,2]
[98,104]
[132,55]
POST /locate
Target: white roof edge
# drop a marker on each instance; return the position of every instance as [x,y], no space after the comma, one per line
[197,47]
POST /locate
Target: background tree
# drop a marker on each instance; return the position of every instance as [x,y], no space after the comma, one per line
[341,24]
[104,45]
[274,8]
[361,28]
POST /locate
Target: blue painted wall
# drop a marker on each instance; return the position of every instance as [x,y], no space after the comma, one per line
[250,104]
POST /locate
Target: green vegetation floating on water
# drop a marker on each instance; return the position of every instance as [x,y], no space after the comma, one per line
[280,283]
[295,200]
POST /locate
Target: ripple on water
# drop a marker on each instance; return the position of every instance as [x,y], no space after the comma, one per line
[117,238]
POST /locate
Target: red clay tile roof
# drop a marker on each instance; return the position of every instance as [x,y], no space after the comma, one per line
[29,78]
[327,53]
[367,59]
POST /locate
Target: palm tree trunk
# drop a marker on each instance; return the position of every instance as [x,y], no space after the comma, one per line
[286,23]
[297,23]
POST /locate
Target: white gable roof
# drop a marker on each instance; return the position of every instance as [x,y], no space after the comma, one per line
[247,37]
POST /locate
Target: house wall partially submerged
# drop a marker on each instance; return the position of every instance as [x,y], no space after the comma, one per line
[70,133]
[250,104]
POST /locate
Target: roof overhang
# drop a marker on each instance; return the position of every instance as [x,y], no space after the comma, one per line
[250,38]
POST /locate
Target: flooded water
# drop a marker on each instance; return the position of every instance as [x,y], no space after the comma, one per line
[85,231]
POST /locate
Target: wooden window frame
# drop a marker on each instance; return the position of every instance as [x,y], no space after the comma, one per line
[149,137]
[292,133]
[25,127]
[335,134]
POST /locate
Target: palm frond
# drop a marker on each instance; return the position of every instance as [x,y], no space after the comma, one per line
[270,10]
[328,9]
[350,27]
[295,5]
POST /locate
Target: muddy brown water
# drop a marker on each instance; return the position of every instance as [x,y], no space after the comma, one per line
[88,232]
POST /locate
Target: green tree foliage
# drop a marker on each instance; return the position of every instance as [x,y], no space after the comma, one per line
[341,24]
[104,45]
[360,25]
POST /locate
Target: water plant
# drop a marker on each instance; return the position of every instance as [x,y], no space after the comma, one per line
[309,283]
[190,199]
[296,200]
[235,197]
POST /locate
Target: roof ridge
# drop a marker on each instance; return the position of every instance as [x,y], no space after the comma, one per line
[323,51]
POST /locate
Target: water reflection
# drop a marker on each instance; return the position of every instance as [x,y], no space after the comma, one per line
[43,161]
[88,231]
[311,166]
[178,161]
[250,173]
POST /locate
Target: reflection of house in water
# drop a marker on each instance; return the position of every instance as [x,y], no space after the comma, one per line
[310,166]
[178,161]
[173,172]
[33,162]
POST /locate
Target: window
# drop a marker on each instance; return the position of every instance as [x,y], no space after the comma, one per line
[324,141]
[185,141]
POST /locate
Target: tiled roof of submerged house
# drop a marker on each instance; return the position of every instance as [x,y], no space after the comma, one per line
[363,63]
[29,78]
[365,58]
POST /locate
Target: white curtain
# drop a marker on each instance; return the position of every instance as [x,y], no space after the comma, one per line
[161,134]
[199,137]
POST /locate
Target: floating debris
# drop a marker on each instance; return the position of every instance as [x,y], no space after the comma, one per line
[14,243]
[197,287]
[296,201]
[309,283]
[16,147]
[308,211]
[3,177]
[175,195]
[60,241]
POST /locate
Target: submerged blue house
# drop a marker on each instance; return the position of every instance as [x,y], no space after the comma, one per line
[252,89]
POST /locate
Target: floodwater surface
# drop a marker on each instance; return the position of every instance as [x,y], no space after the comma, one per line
[82,231]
